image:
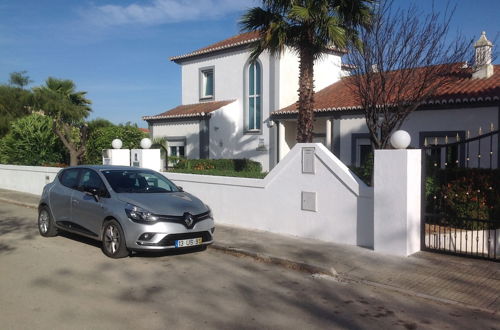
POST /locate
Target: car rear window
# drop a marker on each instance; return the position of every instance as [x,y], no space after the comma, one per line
[69,178]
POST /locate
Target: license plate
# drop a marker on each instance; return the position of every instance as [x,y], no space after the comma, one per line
[188,242]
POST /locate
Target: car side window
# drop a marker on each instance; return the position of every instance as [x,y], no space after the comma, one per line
[69,178]
[91,180]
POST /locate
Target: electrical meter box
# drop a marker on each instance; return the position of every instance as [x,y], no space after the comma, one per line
[116,157]
[146,158]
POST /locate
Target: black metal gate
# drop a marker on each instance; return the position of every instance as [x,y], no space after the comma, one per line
[461,194]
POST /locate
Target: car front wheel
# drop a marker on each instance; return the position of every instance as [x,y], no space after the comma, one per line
[46,225]
[113,240]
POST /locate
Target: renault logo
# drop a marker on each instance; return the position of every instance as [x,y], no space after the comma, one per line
[188,219]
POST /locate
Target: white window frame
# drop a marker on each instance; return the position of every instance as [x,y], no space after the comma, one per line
[257,95]
[203,82]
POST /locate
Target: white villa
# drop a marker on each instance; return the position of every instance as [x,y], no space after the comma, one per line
[232,108]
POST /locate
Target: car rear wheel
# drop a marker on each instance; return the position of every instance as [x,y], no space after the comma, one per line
[46,225]
[113,240]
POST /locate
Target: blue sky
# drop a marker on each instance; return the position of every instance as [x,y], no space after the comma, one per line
[118,50]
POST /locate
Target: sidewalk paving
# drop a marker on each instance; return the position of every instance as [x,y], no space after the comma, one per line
[457,280]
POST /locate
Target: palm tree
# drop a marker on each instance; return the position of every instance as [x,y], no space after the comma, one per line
[68,108]
[310,28]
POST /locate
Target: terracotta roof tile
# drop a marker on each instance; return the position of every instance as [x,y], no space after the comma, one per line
[189,110]
[234,41]
[240,39]
[463,89]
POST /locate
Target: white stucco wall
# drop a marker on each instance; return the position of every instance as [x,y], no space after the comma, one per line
[188,129]
[397,183]
[279,89]
[28,179]
[228,138]
[327,70]
[344,203]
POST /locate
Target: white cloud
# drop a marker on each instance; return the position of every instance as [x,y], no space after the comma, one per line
[157,12]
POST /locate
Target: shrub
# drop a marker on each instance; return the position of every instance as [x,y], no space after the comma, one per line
[464,194]
[236,165]
[31,141]
[242,174]
[101,137]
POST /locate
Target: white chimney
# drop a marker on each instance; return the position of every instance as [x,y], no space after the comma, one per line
[482,66]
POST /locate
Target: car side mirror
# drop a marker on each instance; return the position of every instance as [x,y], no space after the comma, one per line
[96,193]
[180,188]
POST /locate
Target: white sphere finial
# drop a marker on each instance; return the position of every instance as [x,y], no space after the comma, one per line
[146,143]
[116,144]
[400,139]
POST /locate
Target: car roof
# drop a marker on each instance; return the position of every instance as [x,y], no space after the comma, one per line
[110,167]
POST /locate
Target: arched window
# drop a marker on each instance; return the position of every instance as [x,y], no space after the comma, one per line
[254,104]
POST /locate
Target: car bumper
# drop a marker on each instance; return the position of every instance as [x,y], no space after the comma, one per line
[163,235]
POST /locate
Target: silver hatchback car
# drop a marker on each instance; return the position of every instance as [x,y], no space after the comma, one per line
[127,208]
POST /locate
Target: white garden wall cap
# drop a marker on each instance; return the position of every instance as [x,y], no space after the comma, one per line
[234,41]
[195,110]
[24,168]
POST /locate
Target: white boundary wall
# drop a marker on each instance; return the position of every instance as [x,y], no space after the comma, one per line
[28,179]
[327,203]
[344,203]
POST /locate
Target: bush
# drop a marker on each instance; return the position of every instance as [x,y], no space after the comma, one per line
[236,165]
[365,171]
[242,174]
[31,141]
[470,194]
[101,137]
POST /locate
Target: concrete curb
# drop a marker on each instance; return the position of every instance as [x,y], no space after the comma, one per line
[268,259]
[10,201]
[319,270]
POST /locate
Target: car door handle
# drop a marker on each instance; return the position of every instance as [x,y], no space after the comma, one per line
[74,202]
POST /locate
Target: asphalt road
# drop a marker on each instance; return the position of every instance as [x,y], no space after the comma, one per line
[67,283]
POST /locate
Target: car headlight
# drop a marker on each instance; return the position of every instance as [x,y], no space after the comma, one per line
[209,211]
[136,213]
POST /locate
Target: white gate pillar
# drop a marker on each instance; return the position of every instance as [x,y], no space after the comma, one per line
[397,186]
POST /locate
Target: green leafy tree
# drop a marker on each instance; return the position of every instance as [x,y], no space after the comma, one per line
[98,123]
[31,141]
[20,79]
[68,108]
[101,138]
[15,101]
[310,28]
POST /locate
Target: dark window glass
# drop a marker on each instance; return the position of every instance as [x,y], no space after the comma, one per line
[69,178]
[91,180]
[181,151]
[138,182]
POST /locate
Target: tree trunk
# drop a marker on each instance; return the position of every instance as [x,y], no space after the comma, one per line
[305,122]
[73,157]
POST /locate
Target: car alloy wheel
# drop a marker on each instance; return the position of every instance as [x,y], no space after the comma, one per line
[113,240]
[43,221]
[46,225]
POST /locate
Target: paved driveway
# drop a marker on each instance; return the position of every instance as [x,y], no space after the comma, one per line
[67,283]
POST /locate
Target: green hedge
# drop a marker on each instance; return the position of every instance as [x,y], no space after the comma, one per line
[241,174]
[235,165]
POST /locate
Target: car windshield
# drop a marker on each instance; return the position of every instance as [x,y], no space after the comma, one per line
[138,181]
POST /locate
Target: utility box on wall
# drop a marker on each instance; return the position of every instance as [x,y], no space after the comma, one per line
[146,158]
[116,157]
